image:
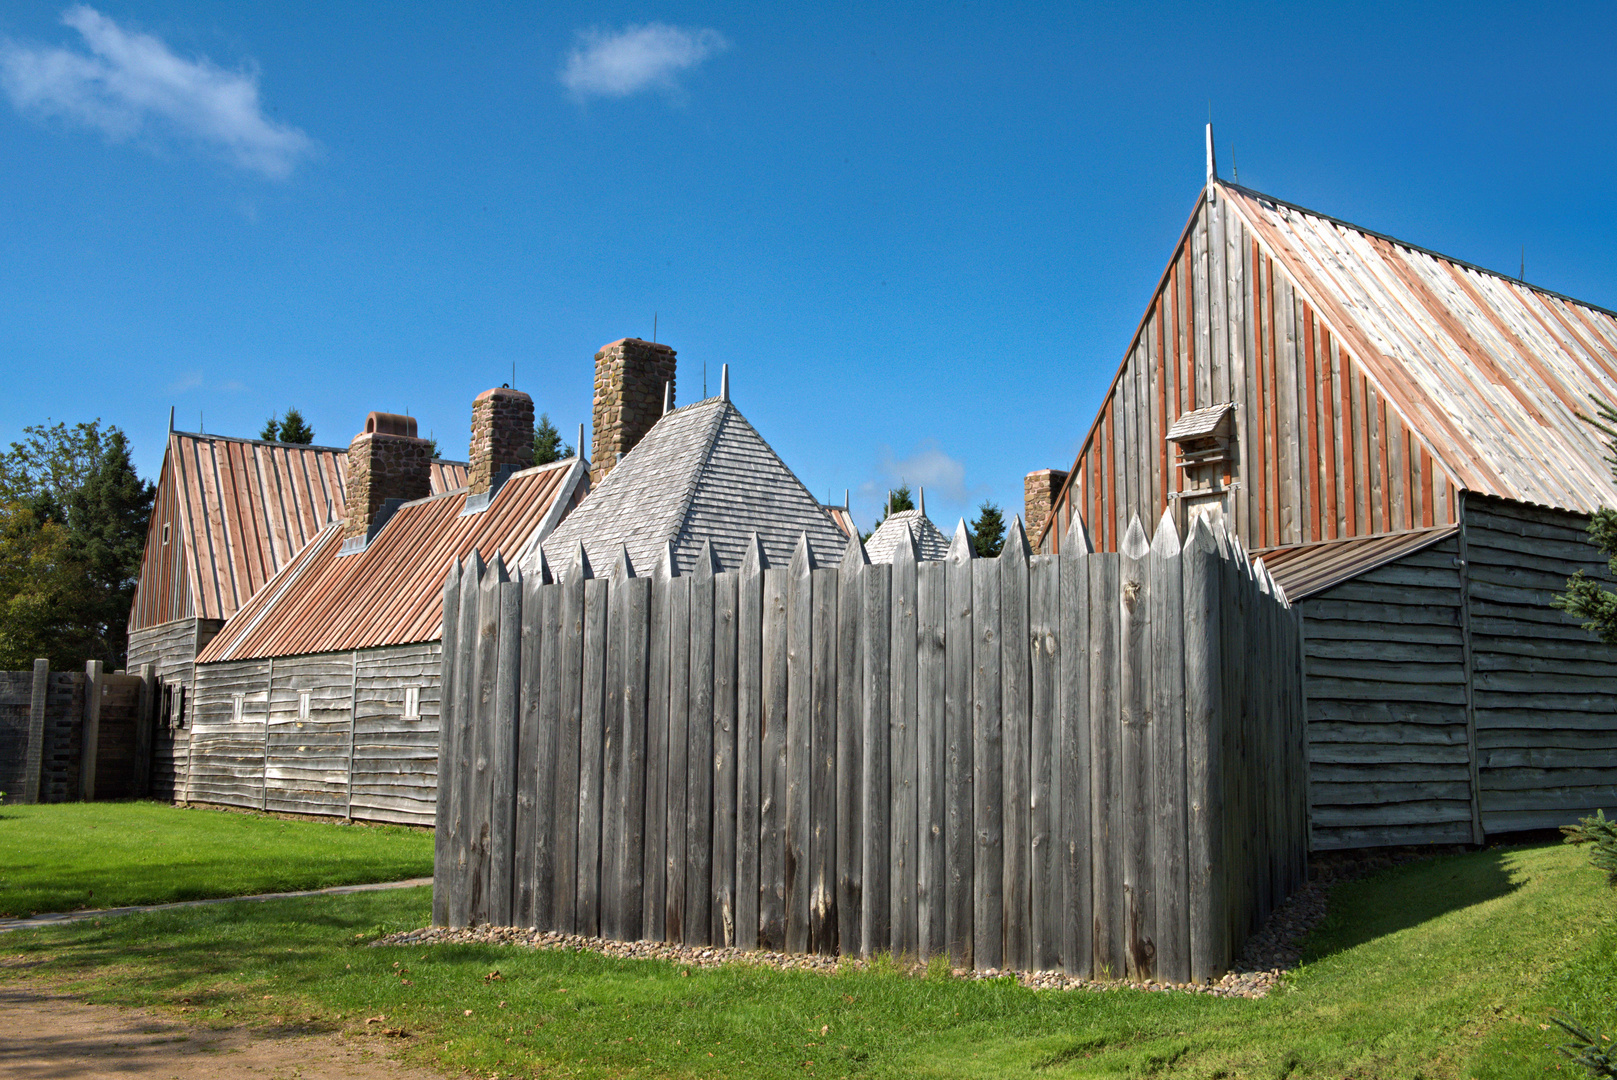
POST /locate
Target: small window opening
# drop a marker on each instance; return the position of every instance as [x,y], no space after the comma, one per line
[237,701]
[165,532]
[303,704]
[412,703]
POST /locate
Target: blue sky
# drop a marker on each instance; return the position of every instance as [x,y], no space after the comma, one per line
[921,237]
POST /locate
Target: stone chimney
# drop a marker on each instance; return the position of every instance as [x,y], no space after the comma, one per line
[385,461]
[502,436]
[1039,490]
[630,380]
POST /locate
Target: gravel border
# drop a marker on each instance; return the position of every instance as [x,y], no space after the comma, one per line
[1268,956]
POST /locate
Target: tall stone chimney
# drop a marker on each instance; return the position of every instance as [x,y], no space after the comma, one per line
[630,380]
[502,435]
[1039,490]
[385,461]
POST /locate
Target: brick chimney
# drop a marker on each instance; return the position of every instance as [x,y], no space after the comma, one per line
[1039,490]
[502,435]
[385,461]
[630,377]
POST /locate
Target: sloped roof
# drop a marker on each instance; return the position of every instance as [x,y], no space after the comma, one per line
[1304,570]
[701,473]
[1491,373]
[930,543]
[842,519]
[246,507]
[391,593]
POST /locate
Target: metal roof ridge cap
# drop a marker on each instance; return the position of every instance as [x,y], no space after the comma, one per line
[260,442]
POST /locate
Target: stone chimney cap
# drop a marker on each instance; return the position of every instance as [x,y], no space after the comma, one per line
[386,423]
[637,341]
[502,392]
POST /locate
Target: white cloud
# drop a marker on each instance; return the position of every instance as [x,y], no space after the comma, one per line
[636,58]
[130,85]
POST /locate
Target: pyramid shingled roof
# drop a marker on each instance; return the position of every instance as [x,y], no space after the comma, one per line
[702,473]
[930,543]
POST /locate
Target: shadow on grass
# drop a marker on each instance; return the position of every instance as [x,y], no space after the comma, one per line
[1407,896]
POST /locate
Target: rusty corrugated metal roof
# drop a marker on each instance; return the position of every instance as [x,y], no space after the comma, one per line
[1491,372]
[1304,570]
[389,594]
[244,508]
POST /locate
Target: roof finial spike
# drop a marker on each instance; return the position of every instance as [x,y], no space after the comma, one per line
[668,398]
[579,453]
[922,501]
[171,419]
[844,498]
[724,383]
[1212,163]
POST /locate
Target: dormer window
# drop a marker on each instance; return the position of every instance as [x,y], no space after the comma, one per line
[165,533]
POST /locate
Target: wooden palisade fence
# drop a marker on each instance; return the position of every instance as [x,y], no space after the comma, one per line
[1089,762]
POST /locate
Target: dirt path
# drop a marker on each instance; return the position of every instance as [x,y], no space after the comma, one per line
[45,1036]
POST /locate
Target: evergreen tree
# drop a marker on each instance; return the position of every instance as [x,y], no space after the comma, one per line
[295,430]
[106,520]
[988,531]
[272,430]
[547,442]
[1584,597]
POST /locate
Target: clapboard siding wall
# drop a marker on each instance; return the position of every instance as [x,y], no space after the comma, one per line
[1545,689]
[1320,452]
[171,648]
[320,734]
[1088,762]
[1388,747]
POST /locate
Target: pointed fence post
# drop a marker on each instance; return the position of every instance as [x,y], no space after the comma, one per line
[1016,746]
[875,869]
[749,739]
[722,890]
[654,908]
[932,615]
[772,765]
[679,745]
[1134,757]
[699,758]
[1170,846]
[850,745]
[799,702]
[591,755]
[903,837]
[485,689]
[988,765]
[631,634]
[823,809]
[1204,738]
[503,756]
[1044,762]
[1072,802]
[444,794]
[465,718]
[958,832]
[613,724]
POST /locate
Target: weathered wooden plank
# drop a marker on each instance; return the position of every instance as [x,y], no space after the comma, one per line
[503,758]
[592,733]
[799,702]
[850,747]
[1072,802]
[876,629]
[569,733]
[654,910]
[932,612]
[726,596]
[1016,746]
[822,804]
[632,634]
[749,739]
[772,770]
[612,723]
[1045,858]
[1171,847]
[679,744]
[1204,713]
[484,684]
[1134,756]
[959,839]
[699,758]
[988,927]
[903,836]
[442,846]
[1105,674]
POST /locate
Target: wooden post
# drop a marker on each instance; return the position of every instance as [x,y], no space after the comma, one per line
[822,803]
[1204,713]
[699,758]
[145,709]
[548,677]
[485,689]
[612,751]
[1045,734]
[1073,801]
[772,767]
[850,746]
[465,714]
[988,925]
[904,937]
[592,734]
[535,762]
[633,637]
[654,902]
[1016,747]
[569,737]
[958,831]
[932,615]
[679,745]
[502,821]
[726,598]
[91,737]
[1170,849]
[442,849]
[34,762]
[1105,843]
[1134,757]
[875,868]
[749,739]
[799,701]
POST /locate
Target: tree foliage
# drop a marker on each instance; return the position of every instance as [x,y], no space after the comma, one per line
[73,519]
[898,500]
[1585,597]
[547,442]
[291,428]
[988,531]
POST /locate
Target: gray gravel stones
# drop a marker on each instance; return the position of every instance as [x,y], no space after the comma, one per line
[1269,954]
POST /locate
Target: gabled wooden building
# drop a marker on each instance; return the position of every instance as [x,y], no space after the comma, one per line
[229,515]
[1399,436]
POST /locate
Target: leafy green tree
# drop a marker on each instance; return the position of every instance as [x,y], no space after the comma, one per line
[50,462]
[988,531]
[107,519]
[547,442]
[1585,597]
[40,585]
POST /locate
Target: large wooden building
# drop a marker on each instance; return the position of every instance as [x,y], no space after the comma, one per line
[229,514]
[1399,435]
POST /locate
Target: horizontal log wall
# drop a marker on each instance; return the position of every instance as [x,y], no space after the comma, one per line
[349,752]
[1088,762]
[1320,455]
[171,648]
[1545,689]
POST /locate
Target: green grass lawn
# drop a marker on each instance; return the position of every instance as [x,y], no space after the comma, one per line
[82,855]
[1436,969]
